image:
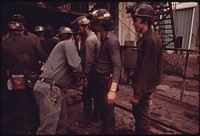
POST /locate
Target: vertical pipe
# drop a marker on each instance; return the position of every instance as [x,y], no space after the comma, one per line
[172,23]
[191,28]
[184,75]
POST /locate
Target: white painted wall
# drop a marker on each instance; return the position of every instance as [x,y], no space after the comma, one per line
[126,31]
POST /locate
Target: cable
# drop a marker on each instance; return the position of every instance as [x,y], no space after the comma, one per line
[128,27]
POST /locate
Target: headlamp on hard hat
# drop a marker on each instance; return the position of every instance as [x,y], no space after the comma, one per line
[15,26]
[99,15]
[129,9]
[39,29]
[141,10]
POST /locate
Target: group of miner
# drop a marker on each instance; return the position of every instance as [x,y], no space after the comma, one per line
[40,68]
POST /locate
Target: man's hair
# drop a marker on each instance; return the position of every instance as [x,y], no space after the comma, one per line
[107,25]
[148,20]
[65,36]
[49,31]
[89,26]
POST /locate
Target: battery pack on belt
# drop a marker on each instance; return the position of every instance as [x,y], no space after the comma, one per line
[18,82]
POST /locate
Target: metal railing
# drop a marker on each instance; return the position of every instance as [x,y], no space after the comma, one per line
[175,62]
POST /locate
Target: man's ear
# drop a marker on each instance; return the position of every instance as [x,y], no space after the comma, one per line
[72,38]
[86,26]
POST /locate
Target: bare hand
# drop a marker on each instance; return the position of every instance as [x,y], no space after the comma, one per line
[85,83]
[111,97]
[42,68]
[134,101]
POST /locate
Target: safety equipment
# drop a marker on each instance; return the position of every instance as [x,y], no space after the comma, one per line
[31,79]
[49,28]
[99,15]
[18,18]
[64,30]
[82,21]
[142,10]
[39,29]
[15,26]
[19,82]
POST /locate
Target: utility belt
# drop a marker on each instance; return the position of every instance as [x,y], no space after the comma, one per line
[101,76]
[21,82]
[105,78]
[50,82]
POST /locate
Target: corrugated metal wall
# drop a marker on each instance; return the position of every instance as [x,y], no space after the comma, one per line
[183,19]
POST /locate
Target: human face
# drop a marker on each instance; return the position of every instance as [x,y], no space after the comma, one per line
[81,30]
[139,25]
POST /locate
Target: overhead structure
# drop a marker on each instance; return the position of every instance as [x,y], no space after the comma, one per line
[164,23]
[78,8]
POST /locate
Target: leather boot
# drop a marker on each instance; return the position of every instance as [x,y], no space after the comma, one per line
[109,131]
[87,117]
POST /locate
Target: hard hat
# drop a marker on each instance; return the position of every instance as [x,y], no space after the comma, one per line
[49,28]
[18,18]
[99,15]
[15,26]
[82,21]
[142,10]
[39,29]
[64,30]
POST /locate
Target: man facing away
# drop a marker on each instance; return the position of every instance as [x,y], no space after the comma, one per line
[20,59]
[59,71]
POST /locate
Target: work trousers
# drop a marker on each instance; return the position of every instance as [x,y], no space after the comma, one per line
[89,94]
[53,114]
[28,108]
[107,110]
[141,115]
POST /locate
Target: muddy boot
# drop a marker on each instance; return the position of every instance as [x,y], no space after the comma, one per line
[84,123]
[109,131]
[87,117]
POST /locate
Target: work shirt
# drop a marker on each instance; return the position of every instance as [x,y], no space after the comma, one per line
[62,63]
[20,55]
[34,39]
[89,54]
[148,72]
[48,44]
[109,58]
